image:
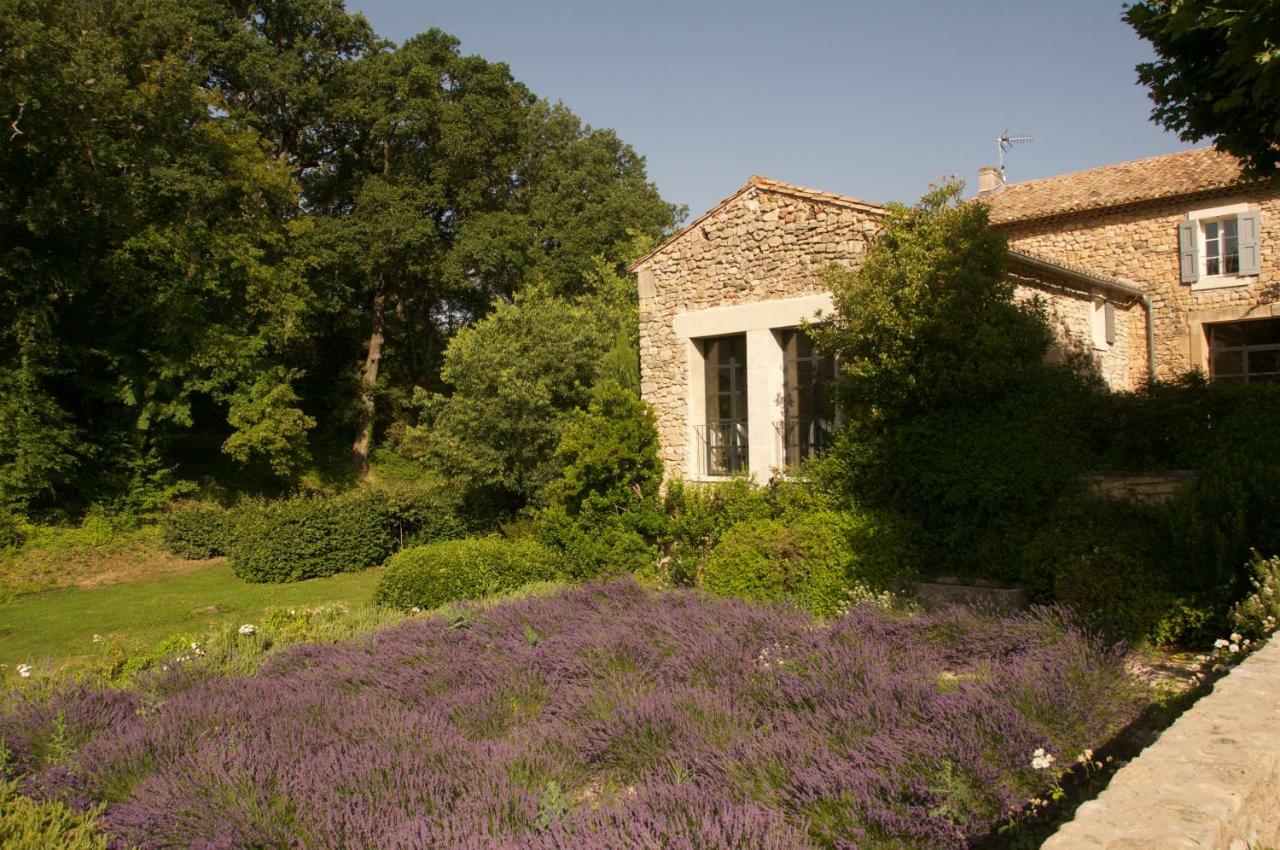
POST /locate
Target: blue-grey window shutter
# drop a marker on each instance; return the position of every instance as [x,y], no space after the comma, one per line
[1109,320]
[1189,250]
[1250,260]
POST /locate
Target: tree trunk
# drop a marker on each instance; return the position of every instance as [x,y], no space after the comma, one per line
[369,380]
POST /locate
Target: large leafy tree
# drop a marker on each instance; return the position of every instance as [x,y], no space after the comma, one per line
[456,187]
[145,270]
[953,419]
[223,222]
[929,320]
[1217,73]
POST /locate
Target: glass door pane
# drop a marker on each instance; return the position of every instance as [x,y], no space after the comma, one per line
[726,386]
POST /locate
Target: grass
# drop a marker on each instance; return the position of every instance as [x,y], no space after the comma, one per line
[95,553]
[54,630]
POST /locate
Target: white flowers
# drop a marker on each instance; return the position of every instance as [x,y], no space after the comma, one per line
[1085,757]
[772,656]
[1235,637]
[24,670]
[1221,643]
[248,629]
[97,638]
[1041,760]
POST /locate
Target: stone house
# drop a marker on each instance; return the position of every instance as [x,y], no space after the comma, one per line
[1153,267]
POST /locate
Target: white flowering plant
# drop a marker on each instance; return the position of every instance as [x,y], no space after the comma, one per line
[1256,615]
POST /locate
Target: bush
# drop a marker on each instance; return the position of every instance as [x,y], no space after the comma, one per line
[27,824]
[1108,561]
[12,534]
[1232,509]
[305,538]
[602,512]
[195,530]
[1257,614]
[697,515]
[807,561]
[431,575]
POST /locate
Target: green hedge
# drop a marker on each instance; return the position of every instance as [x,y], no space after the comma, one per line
[305,538]
[431,575]
[195,530]
[807,560]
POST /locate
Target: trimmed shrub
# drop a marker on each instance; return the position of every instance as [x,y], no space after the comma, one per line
[602,512]
[431,575]
[195,530]
[306,538]
[697,515]
[807,561]
[27,824]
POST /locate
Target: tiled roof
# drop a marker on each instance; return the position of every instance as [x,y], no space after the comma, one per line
[768,185]
[813,194]
[1168,176]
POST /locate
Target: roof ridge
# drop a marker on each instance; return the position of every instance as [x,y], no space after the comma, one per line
[1161,177]
[769,183]
[1079,171]
[758,181]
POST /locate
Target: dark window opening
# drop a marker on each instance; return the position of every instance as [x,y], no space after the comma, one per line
[809,410]
[1244,352]
[725,434]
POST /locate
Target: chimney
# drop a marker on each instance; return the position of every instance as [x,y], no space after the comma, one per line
[990,179]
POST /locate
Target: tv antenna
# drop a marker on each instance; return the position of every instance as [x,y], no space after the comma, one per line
[1005,142]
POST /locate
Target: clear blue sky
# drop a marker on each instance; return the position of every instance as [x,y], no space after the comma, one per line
[875,100]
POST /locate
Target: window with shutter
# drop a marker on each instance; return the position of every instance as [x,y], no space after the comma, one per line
[1219,247]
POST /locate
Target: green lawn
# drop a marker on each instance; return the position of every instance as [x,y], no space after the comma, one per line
[57,628]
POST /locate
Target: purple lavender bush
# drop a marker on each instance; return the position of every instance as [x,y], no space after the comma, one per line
[606,717]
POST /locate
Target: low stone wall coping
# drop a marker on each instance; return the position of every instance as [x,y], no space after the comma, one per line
[1211,781]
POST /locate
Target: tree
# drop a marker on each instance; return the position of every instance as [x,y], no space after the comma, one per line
[929,320]
[458,187]
[145,273]
[1217,75]
[602,509]
[513,378]
[953,421]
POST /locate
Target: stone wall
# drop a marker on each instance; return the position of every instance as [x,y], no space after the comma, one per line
[762,244]
[1123,365]
[1140,245]
[1211,781]
[1151,488]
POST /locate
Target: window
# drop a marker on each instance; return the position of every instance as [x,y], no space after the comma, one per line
[1244,352]
[808,402]
[1219,246]
[724,436]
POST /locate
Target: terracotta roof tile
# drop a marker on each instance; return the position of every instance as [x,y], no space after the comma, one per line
[1167,176]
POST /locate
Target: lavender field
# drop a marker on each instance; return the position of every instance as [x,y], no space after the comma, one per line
[605,717]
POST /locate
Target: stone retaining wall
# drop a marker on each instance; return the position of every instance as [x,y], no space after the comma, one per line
[1148,488]
[1211,781]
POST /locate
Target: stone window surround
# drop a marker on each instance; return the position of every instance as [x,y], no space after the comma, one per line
[759,321]
[1197,319]
[1204,214]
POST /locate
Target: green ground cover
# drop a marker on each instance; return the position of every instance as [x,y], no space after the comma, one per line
[56,629]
